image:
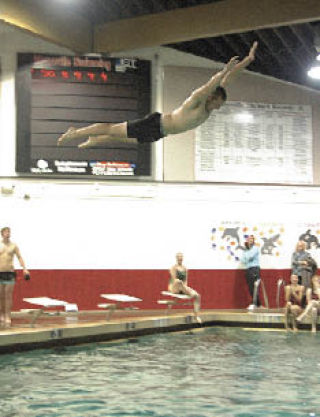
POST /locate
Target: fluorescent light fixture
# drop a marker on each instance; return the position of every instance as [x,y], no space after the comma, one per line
[314,73]
[244,117]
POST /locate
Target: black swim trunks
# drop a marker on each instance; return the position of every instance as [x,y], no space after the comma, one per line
[8,277]
[148,129]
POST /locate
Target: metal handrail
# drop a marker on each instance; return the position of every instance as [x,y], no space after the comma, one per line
[256,291]
[280,283]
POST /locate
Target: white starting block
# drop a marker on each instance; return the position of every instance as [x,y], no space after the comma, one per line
[176,299]
[46,302]
[119,300]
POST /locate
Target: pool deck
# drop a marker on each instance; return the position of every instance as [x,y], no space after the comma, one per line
[60,329]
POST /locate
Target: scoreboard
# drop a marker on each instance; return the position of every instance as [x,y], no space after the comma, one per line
[57,92]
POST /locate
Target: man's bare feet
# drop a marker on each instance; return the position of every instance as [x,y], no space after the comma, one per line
[106,141]
[94,141]
[67,136]
[7,323]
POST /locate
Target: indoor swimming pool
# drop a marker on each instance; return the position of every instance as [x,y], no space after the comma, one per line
[211,372]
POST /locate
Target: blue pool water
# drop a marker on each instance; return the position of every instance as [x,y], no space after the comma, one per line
[214,372]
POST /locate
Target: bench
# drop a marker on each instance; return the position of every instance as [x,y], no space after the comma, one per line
[119,299]
[176,299]
[45,303]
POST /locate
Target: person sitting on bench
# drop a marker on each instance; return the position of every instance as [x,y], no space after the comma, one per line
[178,284]
[294,294]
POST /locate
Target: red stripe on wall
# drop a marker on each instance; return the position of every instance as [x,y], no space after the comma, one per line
[219,289]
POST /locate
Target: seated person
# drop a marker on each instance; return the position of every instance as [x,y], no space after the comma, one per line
[303,264]
[178,284]
[294,294]
[313,300]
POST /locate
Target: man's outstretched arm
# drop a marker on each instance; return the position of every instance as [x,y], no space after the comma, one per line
[207,89]
[240,66]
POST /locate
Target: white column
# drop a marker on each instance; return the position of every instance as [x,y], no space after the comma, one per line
[7,108]
[157,148]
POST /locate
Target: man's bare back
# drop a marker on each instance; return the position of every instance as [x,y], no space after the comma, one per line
[187,117]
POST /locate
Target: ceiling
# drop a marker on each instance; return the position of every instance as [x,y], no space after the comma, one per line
[285,52]
[214,29]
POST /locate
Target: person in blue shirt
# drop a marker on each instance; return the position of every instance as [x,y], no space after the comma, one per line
[251,260]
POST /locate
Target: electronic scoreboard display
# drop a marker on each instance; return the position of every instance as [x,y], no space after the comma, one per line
[57,92]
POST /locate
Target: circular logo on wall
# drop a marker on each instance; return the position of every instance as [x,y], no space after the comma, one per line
[42,164]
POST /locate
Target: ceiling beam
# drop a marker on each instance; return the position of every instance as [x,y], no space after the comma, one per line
[203,21]
[235,46]
[59,25]
[308,47]
[300,61]
[273,50]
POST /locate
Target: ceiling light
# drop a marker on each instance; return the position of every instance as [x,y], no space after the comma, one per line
[314,72]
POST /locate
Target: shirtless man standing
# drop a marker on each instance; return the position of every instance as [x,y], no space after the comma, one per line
[8,250]
[193,111]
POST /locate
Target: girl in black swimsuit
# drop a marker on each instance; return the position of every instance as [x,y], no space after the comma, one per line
[178,284]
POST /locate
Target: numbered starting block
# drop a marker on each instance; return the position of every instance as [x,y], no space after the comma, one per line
[175,299]
[45,303]
[120,303]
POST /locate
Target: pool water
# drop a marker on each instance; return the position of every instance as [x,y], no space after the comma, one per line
[213,372]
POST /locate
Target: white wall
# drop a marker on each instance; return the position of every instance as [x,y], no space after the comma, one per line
[98,226]
[141,225]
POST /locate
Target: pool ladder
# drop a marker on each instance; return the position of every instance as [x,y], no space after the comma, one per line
[256,292]
[280,284]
